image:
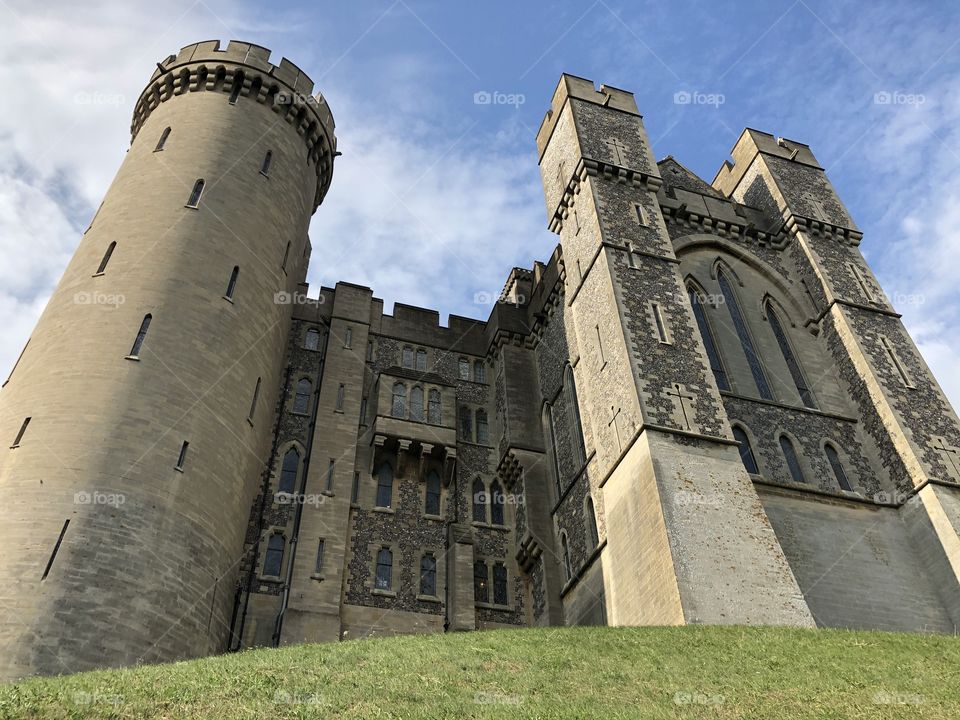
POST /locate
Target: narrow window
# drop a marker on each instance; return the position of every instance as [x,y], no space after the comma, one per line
[106,258]
[416,403]
[483,428]
[895,361]
[399,408]
[355,489]
[862,282]
[603,360]
[550,442]
[567,567]
[232,284]
[641,214]
[466,424]
[265,165]
[286,254]
[479,501]
[793,462]
[312,339]
[163,140]
[385,486]
[384,569]
[434,408]
[289,471]
[301,398]
[658,319]
[318,568]
[182,458]
[747,457]
[421,360]
[253,402]
[407,357]
[716,365]
[56,549]
[428,575]
[480,581]
[479,371]
[141,336]
[236,86]
[348,338]
[331,467]
[341,391]
[464,366]
[631,258]
[499,584]
[23,429]
[740,324]
[432,504]
[590,513]
[194,199]
[363,411]
[497,501]
[370,351]
[834,459]
[573,417]
[19,358]
[806,397]
[273,561]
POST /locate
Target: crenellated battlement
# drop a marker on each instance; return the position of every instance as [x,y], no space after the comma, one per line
[284,88]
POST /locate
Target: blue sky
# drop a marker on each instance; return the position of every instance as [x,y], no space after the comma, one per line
[436,196]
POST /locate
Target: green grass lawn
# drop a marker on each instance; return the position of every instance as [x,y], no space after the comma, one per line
[682,672]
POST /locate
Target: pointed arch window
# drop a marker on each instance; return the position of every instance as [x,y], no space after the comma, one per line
[743,333]
[806,396]
[385,486]
[793,462]
[232,283]
[483,427]
[481,580]
[163,140]
[479,371]
[416,403]
[194,200]
[746,450]
[301,398]
[428,575]
[289,471]
[697,302]
[550,441]
[567,566]
[399,407]
[434,408]
[466,424]
[499,584]
[497,502]
[273,560]
[421,360]
[573,416]
[384,569]
[432,503]
[838,472]
[479,500]
[141,336]
[590,514]
[106,258]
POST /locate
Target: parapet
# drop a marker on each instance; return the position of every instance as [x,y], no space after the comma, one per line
[752,143]
[285,88]
[571,86]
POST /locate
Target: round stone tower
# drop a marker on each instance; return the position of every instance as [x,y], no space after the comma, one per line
[150,381]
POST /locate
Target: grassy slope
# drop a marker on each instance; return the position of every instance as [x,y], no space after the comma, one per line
[707,672]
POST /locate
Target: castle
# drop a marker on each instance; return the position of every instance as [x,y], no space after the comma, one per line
[701,408]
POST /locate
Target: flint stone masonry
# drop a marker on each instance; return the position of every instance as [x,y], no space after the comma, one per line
[595,381]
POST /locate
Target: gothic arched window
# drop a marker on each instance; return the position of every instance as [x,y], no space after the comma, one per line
[573,416]
[550,443]
[483,428]
[499,584]
[416,403]
[697,302]
[428,575]
[590,516]
[384,579]
[385,486]
[481,579]
[163,140]
[466,424]
[743,333]
[432,503]
[479,500]
[273,560]
[793,462]
[289,471]
[806,396]
[565,549]
[746,450]
[434,408]
[421,359]
[399,408]
[834,459]
[141,336]
[194,199]
[301,399]
[106,257]
[497,502]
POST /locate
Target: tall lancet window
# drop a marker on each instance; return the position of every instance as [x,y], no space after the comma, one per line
[806,396]
[716,363]
[746,342]
[793,462]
